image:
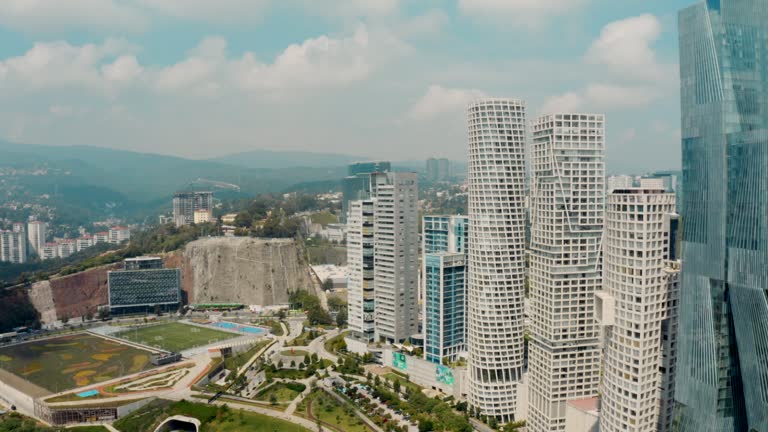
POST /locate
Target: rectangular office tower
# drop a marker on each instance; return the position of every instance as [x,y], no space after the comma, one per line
[567,204]
[638,309]
[382,255]
[357,184]
[444,276]
[722,373]
[495,289]
[185,204]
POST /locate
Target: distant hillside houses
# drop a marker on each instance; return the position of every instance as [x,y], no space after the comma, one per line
[66,247]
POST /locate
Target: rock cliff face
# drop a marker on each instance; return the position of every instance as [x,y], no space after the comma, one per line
[241,270]
[72,296]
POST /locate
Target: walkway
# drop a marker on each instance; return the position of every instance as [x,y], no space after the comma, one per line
[272,413]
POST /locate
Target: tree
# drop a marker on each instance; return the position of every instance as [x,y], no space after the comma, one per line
[426,425]
[492,422]
[307,359]
[315,358]
[377,381]
[396,386]
[327,284]
[65,319]
[273,399]
[103,313]
[342,317]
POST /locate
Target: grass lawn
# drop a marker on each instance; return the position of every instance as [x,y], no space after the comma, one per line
[403,382]
[331,411]
[88,429]
[72,361]
[284,393]
[336,343]
[175,336]
[213,417]
[288,374]
[303,339]
[324,218]
[238,361]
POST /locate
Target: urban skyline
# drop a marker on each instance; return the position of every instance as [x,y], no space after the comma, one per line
[549,288]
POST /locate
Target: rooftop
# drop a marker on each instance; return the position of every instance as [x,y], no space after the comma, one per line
[590,405]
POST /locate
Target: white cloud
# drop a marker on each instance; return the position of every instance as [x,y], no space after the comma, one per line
[570,101]
[124,69]
[527,13]
[602,97]
[440,100]
[316,62]
[319,62]
[49,16]
[430,23]
[61,110]
[56,64]
[217,11]
[347,8]
[625,48]
[617,96]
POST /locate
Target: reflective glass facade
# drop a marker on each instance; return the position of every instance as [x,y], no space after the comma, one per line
[722,371]
[139,288]
[444,275]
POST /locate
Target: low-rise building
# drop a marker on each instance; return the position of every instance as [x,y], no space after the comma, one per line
[336,233]
[202,216]
[143,285]
[119,234]
[67,247]
[336,274]
[85,242]
[49,251]
[229,218]
[101,237]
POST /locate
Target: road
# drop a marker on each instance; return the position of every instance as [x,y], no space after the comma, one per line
[318,346]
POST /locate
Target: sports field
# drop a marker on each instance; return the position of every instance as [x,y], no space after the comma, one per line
[72,361]
[174,336]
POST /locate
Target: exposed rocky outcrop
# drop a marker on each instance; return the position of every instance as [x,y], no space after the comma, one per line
[73,295]
[241,270]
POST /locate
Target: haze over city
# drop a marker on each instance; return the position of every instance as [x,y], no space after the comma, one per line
[384,79]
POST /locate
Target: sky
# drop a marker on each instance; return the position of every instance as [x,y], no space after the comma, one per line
[385,79]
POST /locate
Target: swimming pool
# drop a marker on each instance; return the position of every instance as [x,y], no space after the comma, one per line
[88,393]
[239,327]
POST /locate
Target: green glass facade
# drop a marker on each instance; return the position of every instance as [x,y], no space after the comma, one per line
[722,369]
[144,288]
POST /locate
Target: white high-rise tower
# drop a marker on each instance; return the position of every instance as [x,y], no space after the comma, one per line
[36,234]
[382,252]
[496,255]
[567,204]
[640,298]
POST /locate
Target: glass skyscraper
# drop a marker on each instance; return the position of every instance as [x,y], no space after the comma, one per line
[722,370]
[444,276]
